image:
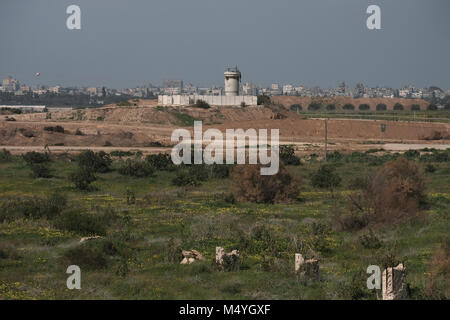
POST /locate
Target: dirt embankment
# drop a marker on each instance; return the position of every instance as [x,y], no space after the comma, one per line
[339,102]
[148,126]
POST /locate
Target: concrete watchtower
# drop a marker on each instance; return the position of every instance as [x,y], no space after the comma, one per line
[232,81]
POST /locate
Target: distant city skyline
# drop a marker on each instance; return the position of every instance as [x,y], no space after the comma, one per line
[125,44]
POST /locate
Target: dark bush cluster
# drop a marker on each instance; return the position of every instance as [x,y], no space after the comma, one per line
[5,156]
[58,129]
[136,168]
[201,104]
[249,185]
[97,162]
[160,161]
[38,163]
[287,155]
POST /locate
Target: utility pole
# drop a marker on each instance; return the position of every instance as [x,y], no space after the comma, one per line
[326,138]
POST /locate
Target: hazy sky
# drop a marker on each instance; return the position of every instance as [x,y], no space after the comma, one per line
[312,42]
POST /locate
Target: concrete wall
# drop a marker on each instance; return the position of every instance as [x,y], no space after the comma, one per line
[183,100]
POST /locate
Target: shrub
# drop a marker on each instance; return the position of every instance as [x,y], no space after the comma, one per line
[355,288]
[136,168]
[41,170]
[381,107]
[396,192]
[415,107]
[201,104]
[58,129]
[314,106]
[199,171]
[95,162]
[412,154]
[249,185]
[85,224]
[335,156]
[34,208]
[161,161]
[184,178]
[430,168]
[364,107]
[326,178]
[370,241]
[398,107]
[78,132]
[432,107]
[296,107]
[220,171]
[287,155]
[5,156]
[349,106]
[358,183]
[264,100]
[331,107]
[33,157]
[82,178]
[125,103]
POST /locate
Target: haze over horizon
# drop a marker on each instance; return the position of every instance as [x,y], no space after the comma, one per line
[314,42]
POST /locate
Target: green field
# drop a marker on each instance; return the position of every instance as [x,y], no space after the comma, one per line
[138,258]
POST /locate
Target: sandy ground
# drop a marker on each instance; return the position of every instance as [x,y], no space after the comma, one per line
[141,127]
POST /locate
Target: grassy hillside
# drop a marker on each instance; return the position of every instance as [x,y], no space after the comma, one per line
[146,221]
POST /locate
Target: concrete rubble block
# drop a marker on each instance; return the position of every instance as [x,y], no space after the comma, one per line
[299,260]
[231,259]
[394,286]
[191,256]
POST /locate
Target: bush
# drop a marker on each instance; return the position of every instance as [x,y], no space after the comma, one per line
[249,185]
[5,156]
[41,170]
[82,178]
[287,155]
[412,154]
[136,168]
[95,162]
[184,178]
[430,168]
[415,107]
[161,161]
[201,104]
[396,192]
[314,106]
[296,107]
[78,132]
[326,178]
[398,107]
[349,106]
[86,224]
[381,107]
[33,157]
[432,107]
[331,107]
[335,156]
[58,129]
[364,107]
[264,100]
[33,208]
[370,241]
